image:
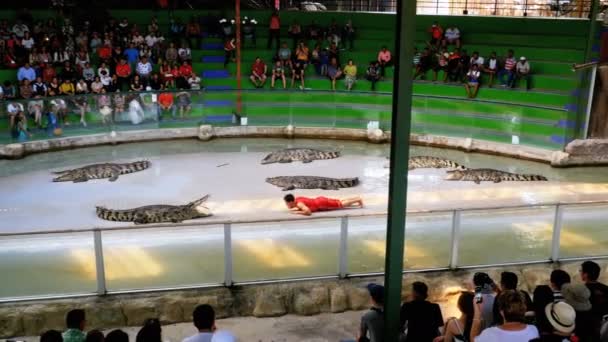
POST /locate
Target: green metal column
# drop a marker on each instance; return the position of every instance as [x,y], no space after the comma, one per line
[400,135]
[591,39]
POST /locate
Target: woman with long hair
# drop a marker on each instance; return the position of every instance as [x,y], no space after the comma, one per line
[459,329]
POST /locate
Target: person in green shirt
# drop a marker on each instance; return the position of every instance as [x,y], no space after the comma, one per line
[350,72]
[75,321]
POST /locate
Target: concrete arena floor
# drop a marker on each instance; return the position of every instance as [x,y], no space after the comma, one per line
[29,201]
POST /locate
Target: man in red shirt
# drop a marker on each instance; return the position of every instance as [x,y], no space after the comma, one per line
[436,35]
[185,70]
[165,104]
[258,73]
[105,53]
[123,72]
[274,29]
[306,206]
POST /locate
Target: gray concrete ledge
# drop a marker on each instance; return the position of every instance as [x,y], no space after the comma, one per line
[577,153]
[304,298]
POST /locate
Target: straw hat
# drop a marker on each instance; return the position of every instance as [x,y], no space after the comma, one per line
[561,316]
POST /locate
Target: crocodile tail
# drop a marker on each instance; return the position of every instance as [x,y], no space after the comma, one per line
[349,182]
[534,178]
[115,215]
[105,214]
[135,166]
[330,154]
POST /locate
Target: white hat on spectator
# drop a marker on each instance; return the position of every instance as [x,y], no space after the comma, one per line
[522,58]
[561,316]
[223,336]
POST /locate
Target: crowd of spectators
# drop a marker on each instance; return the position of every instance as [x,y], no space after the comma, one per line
[458,66]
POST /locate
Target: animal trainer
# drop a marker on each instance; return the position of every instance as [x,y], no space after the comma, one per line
[306,206]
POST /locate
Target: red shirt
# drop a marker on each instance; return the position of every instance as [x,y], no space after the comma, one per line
[436,32]
[185,70]
[319,203]
[123,70]
[48,74]
[275,22]
[258,68]
[165,100]
[104,52]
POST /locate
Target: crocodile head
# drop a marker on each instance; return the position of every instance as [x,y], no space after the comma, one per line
[274,181]
[454,175]
[200,208]
[66,177]
[271,158]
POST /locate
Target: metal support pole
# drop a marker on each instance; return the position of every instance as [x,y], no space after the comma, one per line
[237,18]
[591,39]
[557,232]
[228,254]
[400,148]
[343,257]
[589,102]
[99,263]
[455,239]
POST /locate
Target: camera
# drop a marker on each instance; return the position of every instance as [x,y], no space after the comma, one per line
[478,297]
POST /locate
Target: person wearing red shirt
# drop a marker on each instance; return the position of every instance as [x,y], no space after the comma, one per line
[436,35]
[230,50]
[258,73]
[123,71]
[105,53]
[274,29]
[165,104]
[48,73]
[185,70]
[306,206]
[385,59]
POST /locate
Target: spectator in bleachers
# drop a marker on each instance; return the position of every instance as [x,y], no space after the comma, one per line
[416,58]
[324,59]
[384,60]
[248,31]
[155,82]
[75,322]
[194,82]
[54,87]
[184,53]
[204,320]
[558,279]
[507,74]
[491,68]
[334,52]
[185,70]
[577,296]
[51,336]
[144,70]
[96,86]
[471,85]
[67,88]
[590,272]
[302,54]
[373,73]
[295,33]
[88,73]
[82,87]
[477,60]
[193,33]
[25,89]
[184,103]
[350,75]
[150,332]
[39,89]
[171,54]
[560,321]
[10,60]
[8,90]
[454,66]
[334,72]
[422,318]
[436,33]
[315,58]
[464,64]
[274,29]
[68,72]
[284,55]
[166,74]
[372,322]
[123,72]
[95,336]
[278,73]
[132,54]
[451,36]
[522,71]
[258,73]
[424,64]
[26,73]
[229,51]
[459,329]
[348,35]
[136,84]
[297,74]
[117,336]
[512,306]
[484,285]
[508,281]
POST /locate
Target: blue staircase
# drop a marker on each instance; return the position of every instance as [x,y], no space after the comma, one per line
[217,73]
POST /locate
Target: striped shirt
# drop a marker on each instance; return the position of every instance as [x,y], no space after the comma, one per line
[557,296]
[510,63]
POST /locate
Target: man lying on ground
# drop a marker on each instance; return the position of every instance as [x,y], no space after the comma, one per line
[306,206]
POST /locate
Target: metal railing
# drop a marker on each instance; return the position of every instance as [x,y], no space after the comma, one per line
[342,267]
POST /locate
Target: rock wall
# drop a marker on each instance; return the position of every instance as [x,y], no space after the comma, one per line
[301,298]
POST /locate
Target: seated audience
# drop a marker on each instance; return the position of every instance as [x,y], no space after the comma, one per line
[284,55]
[508,281]
[372,322]
[484,289]
[166,104]
[384,60]
[441,64]
[373,73]
[560,323]
[424,64]
[512,306]
[203,318]
[117,336]
[522,71]
[491,68]
[297,74]
[350,75]
[334,72]
[183,103]
[590,272]
[194,81]
[258,73]
[507,74]
[51,336]
[75,321]
[459,329]
[451,36]
[436,35]
[278,72]
[577,296]
[471,85]
[150,332]
[95,336]
[558,278]
[422,318]
[302,54]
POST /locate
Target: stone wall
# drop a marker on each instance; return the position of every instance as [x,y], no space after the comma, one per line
[301,298]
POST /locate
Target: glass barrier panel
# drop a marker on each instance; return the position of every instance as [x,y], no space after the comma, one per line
[163,257]
[278,250]
[47,264]
[366,244]
[505,235]
[584,231]
[427,240]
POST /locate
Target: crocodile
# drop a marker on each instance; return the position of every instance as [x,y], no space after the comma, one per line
[157,213]
[98,171]
[496,176]
[306,155]
[428,162]
[312,182]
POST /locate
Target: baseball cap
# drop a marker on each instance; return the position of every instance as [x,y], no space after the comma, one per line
[376,292]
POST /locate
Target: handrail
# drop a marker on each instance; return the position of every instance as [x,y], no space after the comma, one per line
[298,218]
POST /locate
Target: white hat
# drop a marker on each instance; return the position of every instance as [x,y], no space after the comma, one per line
[522,58]
[223,336]
[561,316]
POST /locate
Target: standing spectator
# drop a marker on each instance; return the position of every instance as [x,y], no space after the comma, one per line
[508,281]
[522,71]
[274,29]
[348,34]
[193,33]
[295,33]
[373,73]
[278,72]
[144,70]
[51,336]
[508,70]
[334,72]
[350,75]
[26,73]
[258,73]
[491,68]
[558,279]
[590,272]
[484,287]
[194,81]
[150,332]
[512,306]
[248,31]
[577,296]
[436,35]
[297,73]
[323,62]
[75,322]
[385,60]
[471,86]
[315,58]
[123,71]
[543,295]
[561,320]
[204,320]
[423,318]
[372,322]
[459,329]
[454,65]
[116,336]
[452,36]
[230,51]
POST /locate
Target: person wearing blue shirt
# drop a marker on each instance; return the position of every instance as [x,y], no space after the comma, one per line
[26,73]
[132,54]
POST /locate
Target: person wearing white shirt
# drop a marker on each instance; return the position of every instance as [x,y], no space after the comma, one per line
[472,84]
[27,41]
[184,53]
[151,40]
[144,70]
[204,320]
[103,67]
[13,109]
[491,67]
[522,71]
[512,306]
[451,36]
[19,29]
[195,82]
[477,59]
